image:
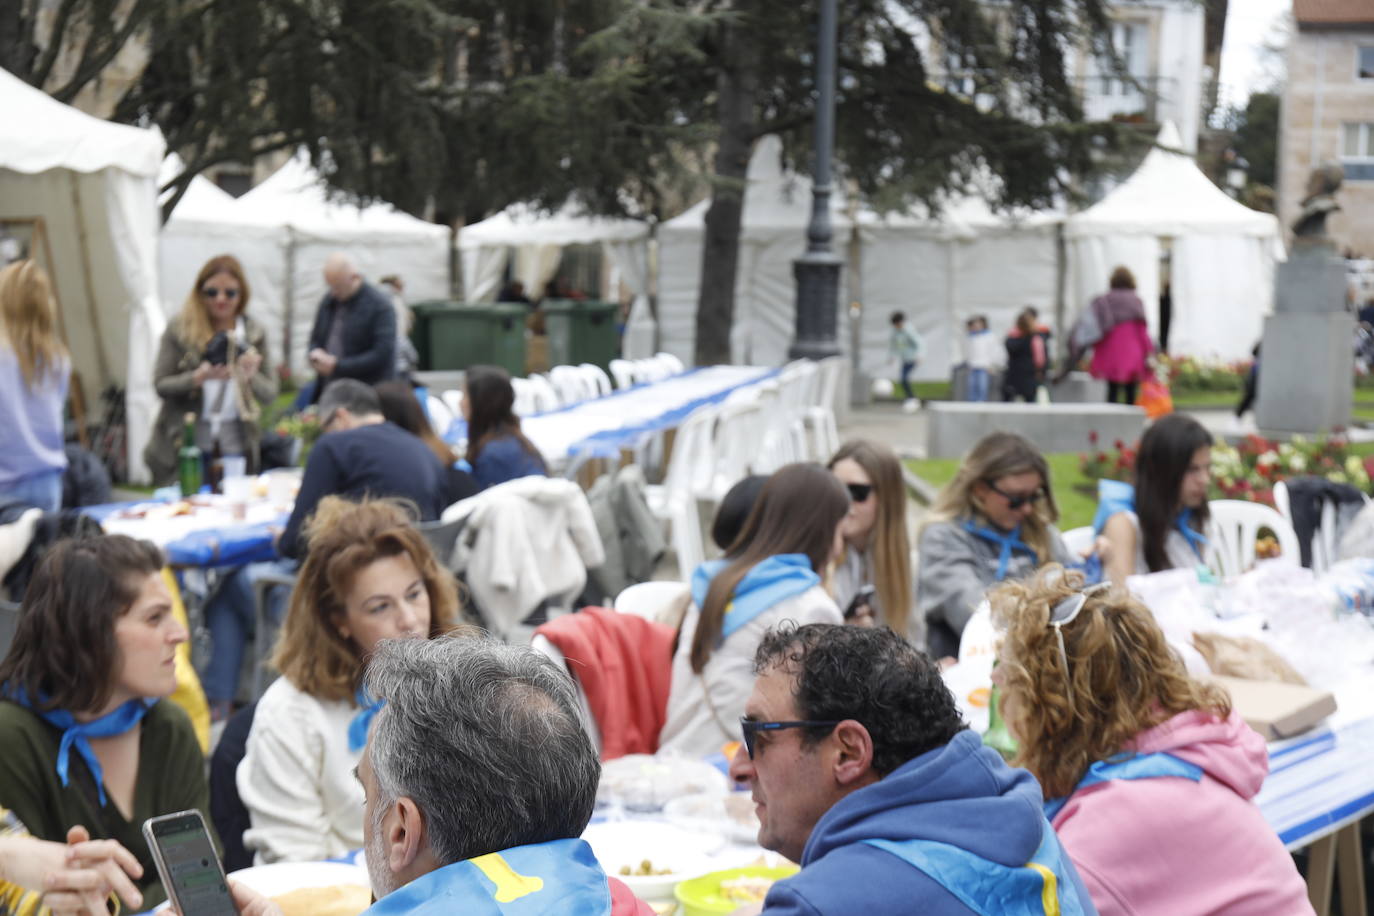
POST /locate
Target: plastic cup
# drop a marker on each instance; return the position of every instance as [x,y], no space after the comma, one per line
[234,466]
[282,487]
[239,492]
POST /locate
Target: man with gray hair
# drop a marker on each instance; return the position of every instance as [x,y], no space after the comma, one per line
[479,779]
[355,329]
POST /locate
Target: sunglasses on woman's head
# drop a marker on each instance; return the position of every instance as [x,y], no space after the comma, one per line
[1017,500]
[1064,613]
[211,292]
[859,491]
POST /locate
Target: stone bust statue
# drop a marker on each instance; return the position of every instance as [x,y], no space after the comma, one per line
[1320,201]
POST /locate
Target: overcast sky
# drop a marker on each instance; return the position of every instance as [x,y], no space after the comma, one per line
[1245,67]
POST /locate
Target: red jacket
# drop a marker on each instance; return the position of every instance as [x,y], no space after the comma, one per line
[624,902]
[624,664]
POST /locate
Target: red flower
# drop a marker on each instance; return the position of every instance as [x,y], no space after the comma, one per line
[1102,457]
[1092,436]
[1119,445]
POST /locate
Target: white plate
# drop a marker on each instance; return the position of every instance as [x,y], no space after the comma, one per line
[685,853]
[284,877]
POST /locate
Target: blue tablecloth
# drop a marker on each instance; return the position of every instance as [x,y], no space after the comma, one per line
[1319,782]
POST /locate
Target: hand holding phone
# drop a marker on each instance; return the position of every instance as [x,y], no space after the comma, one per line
[188,864]
[862,599]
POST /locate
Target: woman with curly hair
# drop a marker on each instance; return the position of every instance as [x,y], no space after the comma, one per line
[369,576]
[1149,775]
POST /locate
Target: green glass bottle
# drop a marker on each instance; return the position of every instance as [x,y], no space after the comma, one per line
[998,736]
[189,467]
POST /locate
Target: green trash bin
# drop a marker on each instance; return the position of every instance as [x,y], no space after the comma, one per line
[452,335]
[581,332]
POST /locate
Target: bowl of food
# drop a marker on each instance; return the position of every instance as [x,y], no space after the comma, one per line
[650,857]
[722,892]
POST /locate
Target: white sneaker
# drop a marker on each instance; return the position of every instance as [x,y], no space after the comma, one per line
[911,405]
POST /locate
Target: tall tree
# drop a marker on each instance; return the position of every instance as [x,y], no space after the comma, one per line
[1257,137]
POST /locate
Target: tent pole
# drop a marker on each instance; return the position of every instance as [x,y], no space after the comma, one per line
[83,245]
[288,300]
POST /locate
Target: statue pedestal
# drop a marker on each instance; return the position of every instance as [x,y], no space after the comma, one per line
[1307,362]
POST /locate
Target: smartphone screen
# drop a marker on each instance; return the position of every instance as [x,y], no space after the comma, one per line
[189,866]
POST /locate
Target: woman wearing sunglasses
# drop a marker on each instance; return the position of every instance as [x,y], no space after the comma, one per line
[994,521]
[1158,524]
[1148,775]
[212,363]
[877,554]
[771,572]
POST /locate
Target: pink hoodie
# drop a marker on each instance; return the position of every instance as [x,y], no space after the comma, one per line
[1171,845]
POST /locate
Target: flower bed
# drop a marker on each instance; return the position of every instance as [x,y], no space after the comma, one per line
[1250,470]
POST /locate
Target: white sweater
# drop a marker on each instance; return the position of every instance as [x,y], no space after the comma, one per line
[691,728]
[296,778]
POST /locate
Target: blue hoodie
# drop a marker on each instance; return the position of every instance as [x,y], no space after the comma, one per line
[961,794]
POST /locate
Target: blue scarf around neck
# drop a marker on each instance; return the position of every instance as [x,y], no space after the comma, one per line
[1115,496]
[1005,542]
[76,734]
[770,581]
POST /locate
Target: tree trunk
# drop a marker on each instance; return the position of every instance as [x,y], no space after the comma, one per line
[738,112]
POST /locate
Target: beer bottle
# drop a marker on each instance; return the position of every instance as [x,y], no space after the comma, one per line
[189,469]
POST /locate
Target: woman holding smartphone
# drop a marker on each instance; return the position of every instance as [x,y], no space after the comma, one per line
[369,575]
[87,738]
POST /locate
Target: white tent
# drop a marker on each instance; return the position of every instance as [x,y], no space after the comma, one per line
[939,272]
[1222,253]
[380,239]
[538,240]
[94,185]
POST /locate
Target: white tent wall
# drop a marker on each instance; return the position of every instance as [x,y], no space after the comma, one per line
[1199,328]
[907,273]
[679,278]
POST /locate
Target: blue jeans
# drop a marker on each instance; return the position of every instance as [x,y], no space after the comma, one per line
[978,384]
[231,617]
[43,490]
[906,379]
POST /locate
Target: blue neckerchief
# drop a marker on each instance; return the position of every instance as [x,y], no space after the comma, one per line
[771,580]
[1138,766]
[362,721]
[75,734]
[1115,496]
[1006,542]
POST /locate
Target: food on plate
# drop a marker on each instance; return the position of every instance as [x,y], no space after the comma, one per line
[644,869]
[332,900]
[746,888]
[182,507]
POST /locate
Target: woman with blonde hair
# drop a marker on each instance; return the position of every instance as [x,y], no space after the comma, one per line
[34,372]
[369,576]
[993,521]
[212,363]
[1148,774]
[877,554]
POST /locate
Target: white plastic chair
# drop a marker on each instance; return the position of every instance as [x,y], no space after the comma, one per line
[624,372]
[596,378]
[670,362]
[569,384]
[544,397]
[819,415]
[1078,540]
[1324,548]
[649,599]
[734,446]
[674,500]
[453,400]
[524,397]
[440,417]
[1231,535]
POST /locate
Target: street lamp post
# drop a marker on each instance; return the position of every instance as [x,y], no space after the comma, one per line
[818,270]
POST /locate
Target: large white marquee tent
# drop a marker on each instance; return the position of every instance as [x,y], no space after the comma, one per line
[93,183]
[1222,253]
[283,230]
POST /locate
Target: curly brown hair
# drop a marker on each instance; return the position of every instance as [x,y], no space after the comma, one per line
[1125,677]
[345,538]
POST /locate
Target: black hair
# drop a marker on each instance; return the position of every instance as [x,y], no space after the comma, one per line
[1165,452]
[734,509]
[897,317]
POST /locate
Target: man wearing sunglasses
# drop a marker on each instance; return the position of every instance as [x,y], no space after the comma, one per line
[862,771]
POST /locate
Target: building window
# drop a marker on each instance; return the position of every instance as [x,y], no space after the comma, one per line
[1364,63]
[1357,151]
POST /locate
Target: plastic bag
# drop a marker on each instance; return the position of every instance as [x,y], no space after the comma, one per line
[1155,398]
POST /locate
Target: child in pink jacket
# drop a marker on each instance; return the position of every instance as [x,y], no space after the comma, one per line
[1149,776]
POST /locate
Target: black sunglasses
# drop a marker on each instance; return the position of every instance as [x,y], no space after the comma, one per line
[210,292]
[859,491]
[1016,500]
[751,728]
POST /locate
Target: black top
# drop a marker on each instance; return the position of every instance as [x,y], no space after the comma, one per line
[376,460]
[369,335]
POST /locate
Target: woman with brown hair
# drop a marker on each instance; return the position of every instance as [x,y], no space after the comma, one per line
[771,573]
[88,739]
[993,521]
[1149,775]
[401,407]
[34,372]
[1123,342]
[212,363]
[497,450]
[877,553]
[369,575]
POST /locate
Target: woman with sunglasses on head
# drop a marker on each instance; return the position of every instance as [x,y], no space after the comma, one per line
[1149,775]
[877,555]
[1159,523]
[369,575]
[994,521]
[771,572]
[212,363]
